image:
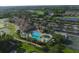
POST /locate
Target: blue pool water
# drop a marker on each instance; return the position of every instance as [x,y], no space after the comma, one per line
[36,35]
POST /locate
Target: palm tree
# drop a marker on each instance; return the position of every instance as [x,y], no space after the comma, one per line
[6,37]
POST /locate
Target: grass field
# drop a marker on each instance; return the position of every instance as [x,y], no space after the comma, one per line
[68,50]
[12,28]
[1,25]
[71,16]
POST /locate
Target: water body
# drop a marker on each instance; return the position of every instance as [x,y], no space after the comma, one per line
[74,19]
[73,38]
[75,42]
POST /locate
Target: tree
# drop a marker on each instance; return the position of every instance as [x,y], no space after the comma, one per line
[59,39]
[6,37]
[5,45]
[56,49]
[58,11]
[24,47]
[57,46]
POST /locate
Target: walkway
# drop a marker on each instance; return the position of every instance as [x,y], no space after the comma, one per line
[29,42]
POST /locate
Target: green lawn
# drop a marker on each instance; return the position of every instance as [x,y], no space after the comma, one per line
[12,28]
[39,12]
[28,48]
[68,50]
[71,16]
[1,25]
[23,46]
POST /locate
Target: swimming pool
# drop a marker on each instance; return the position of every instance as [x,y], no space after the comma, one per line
[36,35]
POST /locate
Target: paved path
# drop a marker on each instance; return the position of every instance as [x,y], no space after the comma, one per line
[29,42]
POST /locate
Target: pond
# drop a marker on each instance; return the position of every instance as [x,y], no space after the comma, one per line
[8,46]
[75,42]
[72,41]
